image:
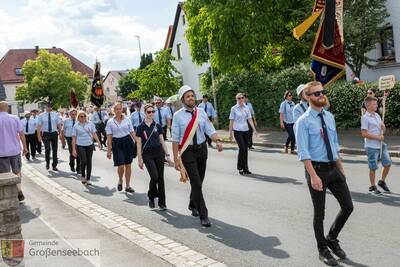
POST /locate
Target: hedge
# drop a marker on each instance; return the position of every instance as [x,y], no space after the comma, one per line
[266,93]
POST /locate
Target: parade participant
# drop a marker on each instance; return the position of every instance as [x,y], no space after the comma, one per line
[318,148]
[35,116]
[151,151]
[98,118]
[210,111]
[83,134]
[11,137]
[63,118]
[67,130]
[120,140]
[379,108]
[190,149]
[171,110]
[162,116]
[239,121]
[372,129]
[29,125]
[286,120]
[50,122]
[253,117]
[137,116]
[302,106]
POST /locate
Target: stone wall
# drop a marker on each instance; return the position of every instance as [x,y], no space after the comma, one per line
[10,223]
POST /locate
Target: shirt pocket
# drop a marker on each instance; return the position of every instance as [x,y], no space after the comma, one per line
[315,136]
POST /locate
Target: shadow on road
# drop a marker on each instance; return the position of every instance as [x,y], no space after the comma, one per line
[349,262]
[274,179]
[230,235]
[97,190]
[139,199]
[27,214]
[389,199]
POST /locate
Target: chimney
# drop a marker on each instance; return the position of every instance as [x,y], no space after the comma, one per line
[54,47]
[36,49]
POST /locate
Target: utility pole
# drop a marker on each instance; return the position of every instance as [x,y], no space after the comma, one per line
[140,48]
[212,84]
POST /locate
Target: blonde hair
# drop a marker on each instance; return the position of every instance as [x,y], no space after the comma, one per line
[122,106]
[239,95]
[308,86]
[82,112]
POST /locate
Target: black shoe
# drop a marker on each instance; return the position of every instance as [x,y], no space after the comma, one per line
[47,167]
[72,169]
[119,187]
[88,182]
[374,190]
[162,207]
[21,196]
[205,222]
[327,258]
[382,184]
[195,213]
[247,172]
[129,190]
[251,147]
[152,205]
[335,248]
[241,172]
[55,169]
[78,171]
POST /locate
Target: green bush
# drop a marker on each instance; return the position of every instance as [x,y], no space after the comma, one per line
[266,93]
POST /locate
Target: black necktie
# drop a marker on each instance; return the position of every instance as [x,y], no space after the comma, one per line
[73,123]
[100,116]
[27,125]
[140,117]
[195,134]
[159,116]
[172,112]
[205,108]
[326,138]
[49,124]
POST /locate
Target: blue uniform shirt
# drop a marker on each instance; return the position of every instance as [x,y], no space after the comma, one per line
[209,110]
[44,119]
[118,130]
[32,124]
[95,118]
[84,133]
[250,106]
[286,108]
[309,136]
[161,116]
[68,125]
[181,121]
[240,115]
[298,110]
[135,120]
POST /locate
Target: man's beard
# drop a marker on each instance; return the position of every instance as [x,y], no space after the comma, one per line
[320,102]
[190,104]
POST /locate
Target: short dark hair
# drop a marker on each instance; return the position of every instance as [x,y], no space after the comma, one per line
[205,96]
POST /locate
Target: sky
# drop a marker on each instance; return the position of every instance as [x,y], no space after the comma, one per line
[88,29]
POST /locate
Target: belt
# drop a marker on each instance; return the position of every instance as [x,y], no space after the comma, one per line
[196,147]
[323,165]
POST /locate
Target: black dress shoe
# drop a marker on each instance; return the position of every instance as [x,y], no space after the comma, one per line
[205,222]
[195,213]
[129,190]
[21,196]
[119,187]
[72,169]
[47,167]
[152,205]
[162,207]
[327,258]
[335,248]
[55,169]
[247,172]
[241,172]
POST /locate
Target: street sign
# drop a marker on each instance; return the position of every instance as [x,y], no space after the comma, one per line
[386,82]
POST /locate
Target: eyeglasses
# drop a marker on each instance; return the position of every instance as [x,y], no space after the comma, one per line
[150,111]
[157,103]
[82,116]
[239,98]
[318,93]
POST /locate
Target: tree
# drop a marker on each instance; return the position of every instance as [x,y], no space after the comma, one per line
[364,21]
[250,34]
[145,59]
[51,76]
[127,84]
[158,78]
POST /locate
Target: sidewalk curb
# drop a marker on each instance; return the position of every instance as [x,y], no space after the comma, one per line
[160,246]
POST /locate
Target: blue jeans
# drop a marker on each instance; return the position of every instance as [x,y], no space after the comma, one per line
[374,156]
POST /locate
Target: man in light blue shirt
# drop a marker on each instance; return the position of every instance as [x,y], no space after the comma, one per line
[99,118]
[67,129]
[29,125]
[318,148]
[137,116]
[211,114]
[287,121]
[162,116]
[50,123]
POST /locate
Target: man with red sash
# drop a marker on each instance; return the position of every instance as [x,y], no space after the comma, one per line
[189,146]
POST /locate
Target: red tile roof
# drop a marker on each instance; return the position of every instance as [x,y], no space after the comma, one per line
[15,58]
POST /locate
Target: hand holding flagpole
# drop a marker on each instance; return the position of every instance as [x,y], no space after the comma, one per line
[385,84]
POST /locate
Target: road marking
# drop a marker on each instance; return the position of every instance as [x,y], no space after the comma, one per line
[167,249]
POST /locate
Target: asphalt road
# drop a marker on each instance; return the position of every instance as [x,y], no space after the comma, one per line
[262,220]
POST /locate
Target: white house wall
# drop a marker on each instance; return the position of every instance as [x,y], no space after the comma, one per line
[111,83]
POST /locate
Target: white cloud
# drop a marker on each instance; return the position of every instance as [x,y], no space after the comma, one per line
[86,29]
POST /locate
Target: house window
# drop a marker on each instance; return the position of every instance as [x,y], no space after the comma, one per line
[179,51]
[387,47]
[183,19]
[18,71]
[108,91]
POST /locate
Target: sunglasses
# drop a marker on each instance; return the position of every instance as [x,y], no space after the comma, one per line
[150,111]
[370,93]
[82,116]
[239,98]
[289,95]
[318,93]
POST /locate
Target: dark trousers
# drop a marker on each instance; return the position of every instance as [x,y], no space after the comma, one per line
[85,154]
[165,129]
[38,144]
[291,137]
[31,144]
[242,139]
[72,159]
[101,133]
[250,134]
[194,160]
[153,159]
[51,144]
[335,181]
[208,138]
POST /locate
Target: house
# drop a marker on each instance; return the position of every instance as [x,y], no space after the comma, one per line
[110,84]
[387,54]
[190,73]
[11,73]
